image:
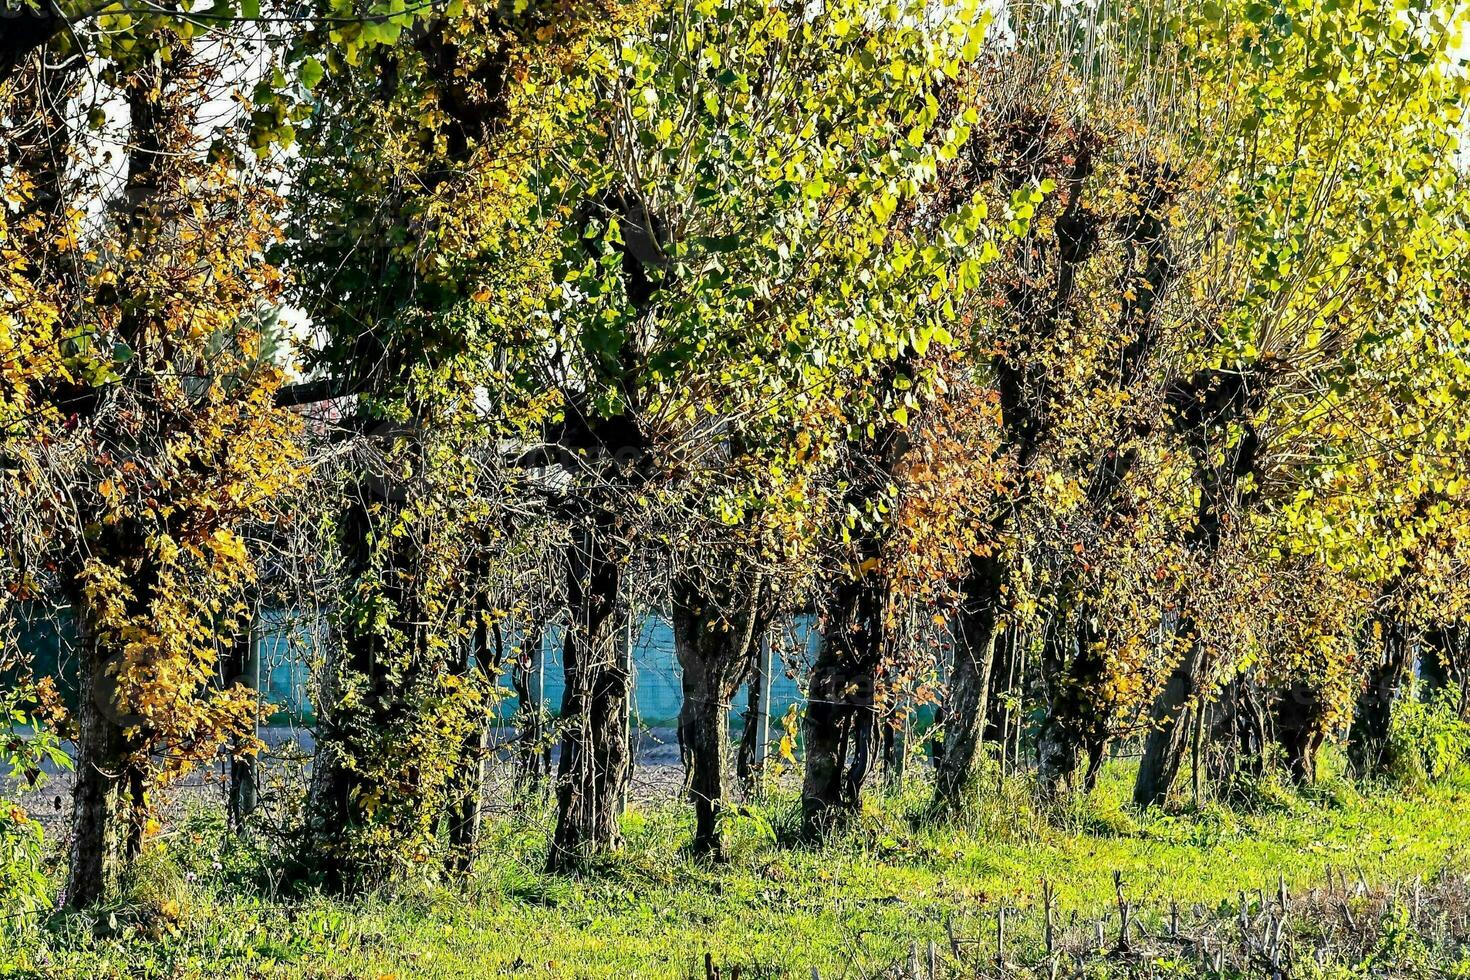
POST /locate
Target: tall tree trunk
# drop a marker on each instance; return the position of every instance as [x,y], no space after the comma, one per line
[840,697]
[757,714]
[108,800]
[385,667]
[966,707]
[488,647]
[239,666]
[1298,718]
[355,657]
[1368,738]
[105,819]
[595,743]
[1167,742]
[823,741]
[714,647]
[1069,730]
[1205,406]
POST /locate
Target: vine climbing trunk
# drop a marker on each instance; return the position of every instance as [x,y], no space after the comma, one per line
[1212,410]
[486,653]
[105,828]
[594,769]
[369,671]
[109,797]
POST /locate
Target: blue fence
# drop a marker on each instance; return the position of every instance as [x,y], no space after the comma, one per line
[286,647]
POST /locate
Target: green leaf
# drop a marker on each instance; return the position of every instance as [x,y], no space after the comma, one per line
[311,72]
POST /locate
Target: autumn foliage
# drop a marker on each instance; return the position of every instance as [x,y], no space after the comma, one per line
[1090,377]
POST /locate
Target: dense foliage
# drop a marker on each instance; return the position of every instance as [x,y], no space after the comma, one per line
[1095,374]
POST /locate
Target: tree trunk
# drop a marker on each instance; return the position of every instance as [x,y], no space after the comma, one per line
[864,736]
[823,738]
[966,708]
[757,713]
[1368,738]
[1070,729]
[1239,732]
[595,757]
[240,667]
[1168,740]
[714,651]
[1097,751]
[469,791]
[464,816]
[893,755]
[1058,750]
[105,816]
[703,743]
[1299,732]
[356,657]
[381,679]
[840,689]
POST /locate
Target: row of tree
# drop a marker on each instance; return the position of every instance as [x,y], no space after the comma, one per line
[1126,340]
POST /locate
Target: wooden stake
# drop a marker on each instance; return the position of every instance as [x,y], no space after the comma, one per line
[1049,930]
[1000,937]
[1123,910]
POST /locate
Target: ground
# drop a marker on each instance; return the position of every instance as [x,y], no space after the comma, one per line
[874,899]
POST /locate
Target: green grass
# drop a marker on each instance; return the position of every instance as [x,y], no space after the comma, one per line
[857,904]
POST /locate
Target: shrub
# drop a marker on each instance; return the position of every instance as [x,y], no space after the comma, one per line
[24,886]
[1428,740]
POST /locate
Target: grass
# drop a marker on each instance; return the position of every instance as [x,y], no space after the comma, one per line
[848,909]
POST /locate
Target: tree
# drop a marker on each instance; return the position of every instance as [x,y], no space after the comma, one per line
[182,446]
[742,173]
[415,327]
